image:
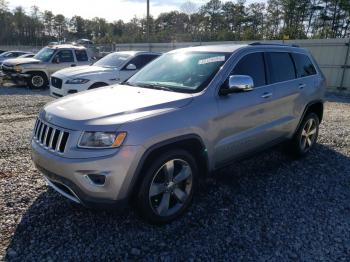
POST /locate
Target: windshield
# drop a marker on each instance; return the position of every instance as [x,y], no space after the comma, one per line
[45,54]
[113,60]
[183,72]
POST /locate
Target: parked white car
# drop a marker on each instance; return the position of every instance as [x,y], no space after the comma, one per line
[112,69]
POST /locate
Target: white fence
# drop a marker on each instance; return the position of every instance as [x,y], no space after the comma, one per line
[333,56]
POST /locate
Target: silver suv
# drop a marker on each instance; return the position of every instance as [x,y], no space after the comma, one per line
[36,71]
[151,140]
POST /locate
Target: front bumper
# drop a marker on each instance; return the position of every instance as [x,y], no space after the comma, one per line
[17,76]
[70,176]
[68,89]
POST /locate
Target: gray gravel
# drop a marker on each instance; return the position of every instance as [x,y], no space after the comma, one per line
[269,207]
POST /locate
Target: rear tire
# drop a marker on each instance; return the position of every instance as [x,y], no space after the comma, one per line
[306,136]
[166,191]
[38,81]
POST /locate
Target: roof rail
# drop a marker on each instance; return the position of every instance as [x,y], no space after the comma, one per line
[275,44]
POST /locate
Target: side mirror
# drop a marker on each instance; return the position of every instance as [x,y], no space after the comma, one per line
[131,67]
[238,83]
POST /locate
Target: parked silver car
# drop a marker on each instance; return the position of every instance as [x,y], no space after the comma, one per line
[10,55]
[186,114]
[36,71]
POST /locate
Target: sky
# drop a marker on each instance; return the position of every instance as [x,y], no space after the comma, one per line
[111,10]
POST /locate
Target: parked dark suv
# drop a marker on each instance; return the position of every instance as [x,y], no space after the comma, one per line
[184,115]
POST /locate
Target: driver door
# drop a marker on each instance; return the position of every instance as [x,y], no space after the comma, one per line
[62,59]
[246,118]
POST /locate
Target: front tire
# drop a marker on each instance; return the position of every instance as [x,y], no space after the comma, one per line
[38,81]
[166,191]
[306,136]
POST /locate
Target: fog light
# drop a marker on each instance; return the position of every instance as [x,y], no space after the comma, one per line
[97,179]
[72,91]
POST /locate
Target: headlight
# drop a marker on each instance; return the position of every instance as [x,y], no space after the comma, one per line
[102,139]
[17,68]
[77,81]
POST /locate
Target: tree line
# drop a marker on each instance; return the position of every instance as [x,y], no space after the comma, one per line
[214,21]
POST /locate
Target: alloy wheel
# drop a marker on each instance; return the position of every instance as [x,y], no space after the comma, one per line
[171,187]
[308,135]
[37,81]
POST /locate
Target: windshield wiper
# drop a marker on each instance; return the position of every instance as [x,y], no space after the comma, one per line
[125,83]
[155,86]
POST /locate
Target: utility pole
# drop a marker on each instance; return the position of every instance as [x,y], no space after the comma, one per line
[148,27]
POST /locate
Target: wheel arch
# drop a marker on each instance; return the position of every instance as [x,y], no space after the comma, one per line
[191,143]
[31,72]
[97,84]
[317,107]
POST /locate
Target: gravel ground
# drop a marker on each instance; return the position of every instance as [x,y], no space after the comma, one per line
[269,207]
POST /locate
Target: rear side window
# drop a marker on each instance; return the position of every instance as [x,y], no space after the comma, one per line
[304,65]
[281,67]
[65,56]
[252,65]
[81,55]
[142,60]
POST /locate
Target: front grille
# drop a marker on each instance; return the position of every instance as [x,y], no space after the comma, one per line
[7,69]
[56,82]
[50,137]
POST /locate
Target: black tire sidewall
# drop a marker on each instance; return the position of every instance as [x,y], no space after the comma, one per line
[143,205]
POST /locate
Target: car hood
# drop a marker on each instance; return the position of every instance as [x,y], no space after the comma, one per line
[81,71]
[106,108]
[21,61]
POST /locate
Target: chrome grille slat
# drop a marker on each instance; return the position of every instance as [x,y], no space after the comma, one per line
[36,126]
[45,137]
[59,141]
[41,131]
[50,137]
[38,129]
[43,134]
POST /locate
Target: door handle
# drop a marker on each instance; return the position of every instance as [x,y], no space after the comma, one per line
[301,86]
[73,65]
[266,95]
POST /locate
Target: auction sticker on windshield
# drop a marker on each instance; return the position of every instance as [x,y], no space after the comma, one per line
[211,60]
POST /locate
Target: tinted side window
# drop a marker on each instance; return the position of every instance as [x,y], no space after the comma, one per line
[281,67]
[252,65]
[65,56]
[142,60]
[81,55]
[304,65]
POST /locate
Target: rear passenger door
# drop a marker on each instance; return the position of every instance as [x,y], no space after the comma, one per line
[306,74]
[81,57]
[288,98]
